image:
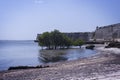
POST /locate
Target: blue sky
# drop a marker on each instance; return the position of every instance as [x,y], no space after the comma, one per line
[23,19]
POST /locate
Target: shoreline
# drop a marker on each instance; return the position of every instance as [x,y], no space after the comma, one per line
[103,66]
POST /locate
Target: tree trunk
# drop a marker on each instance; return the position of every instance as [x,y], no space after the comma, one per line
[80,46]
[49,46]
[55,47]
[42,47]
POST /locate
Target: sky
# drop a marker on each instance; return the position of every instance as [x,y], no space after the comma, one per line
[24,19]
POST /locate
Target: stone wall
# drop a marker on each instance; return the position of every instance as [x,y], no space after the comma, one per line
[108,33]
[86,36]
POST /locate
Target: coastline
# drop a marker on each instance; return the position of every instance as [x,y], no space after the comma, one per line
[103,66]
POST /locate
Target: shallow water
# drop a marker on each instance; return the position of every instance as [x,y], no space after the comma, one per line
[28,53]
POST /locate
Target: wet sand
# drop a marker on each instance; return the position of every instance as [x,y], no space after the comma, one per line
[103,66]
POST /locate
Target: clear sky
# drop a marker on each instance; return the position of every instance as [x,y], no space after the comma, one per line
[23,19]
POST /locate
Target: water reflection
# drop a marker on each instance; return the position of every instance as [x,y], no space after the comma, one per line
[49,56]
[46,56]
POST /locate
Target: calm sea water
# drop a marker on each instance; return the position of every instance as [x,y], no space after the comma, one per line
[28,53]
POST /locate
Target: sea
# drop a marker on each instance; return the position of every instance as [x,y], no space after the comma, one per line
[29,53]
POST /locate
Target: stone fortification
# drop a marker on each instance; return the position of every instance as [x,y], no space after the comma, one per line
[86,36]
[107,33]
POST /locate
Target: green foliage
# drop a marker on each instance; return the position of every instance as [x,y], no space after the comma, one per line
[54,40]
[67,41]
[78,42]
[56,37]
[44,39]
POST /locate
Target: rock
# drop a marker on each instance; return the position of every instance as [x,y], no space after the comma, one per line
[90,47]
[113,44]
[27,67]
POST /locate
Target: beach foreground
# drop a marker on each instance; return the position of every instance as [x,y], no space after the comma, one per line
[103,66]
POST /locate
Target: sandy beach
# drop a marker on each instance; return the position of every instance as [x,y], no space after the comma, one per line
[105,65]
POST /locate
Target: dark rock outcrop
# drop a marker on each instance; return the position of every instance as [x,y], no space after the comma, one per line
[90,47]
[113,44]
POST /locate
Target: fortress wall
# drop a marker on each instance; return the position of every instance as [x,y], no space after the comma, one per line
[108,33]
[85,36]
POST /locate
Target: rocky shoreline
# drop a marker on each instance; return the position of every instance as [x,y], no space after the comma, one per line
[103,66]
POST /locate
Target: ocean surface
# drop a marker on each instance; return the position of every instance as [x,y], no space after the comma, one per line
[28,53]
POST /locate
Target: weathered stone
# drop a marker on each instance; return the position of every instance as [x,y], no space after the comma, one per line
[108,33]
[90,47]
[113,44]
